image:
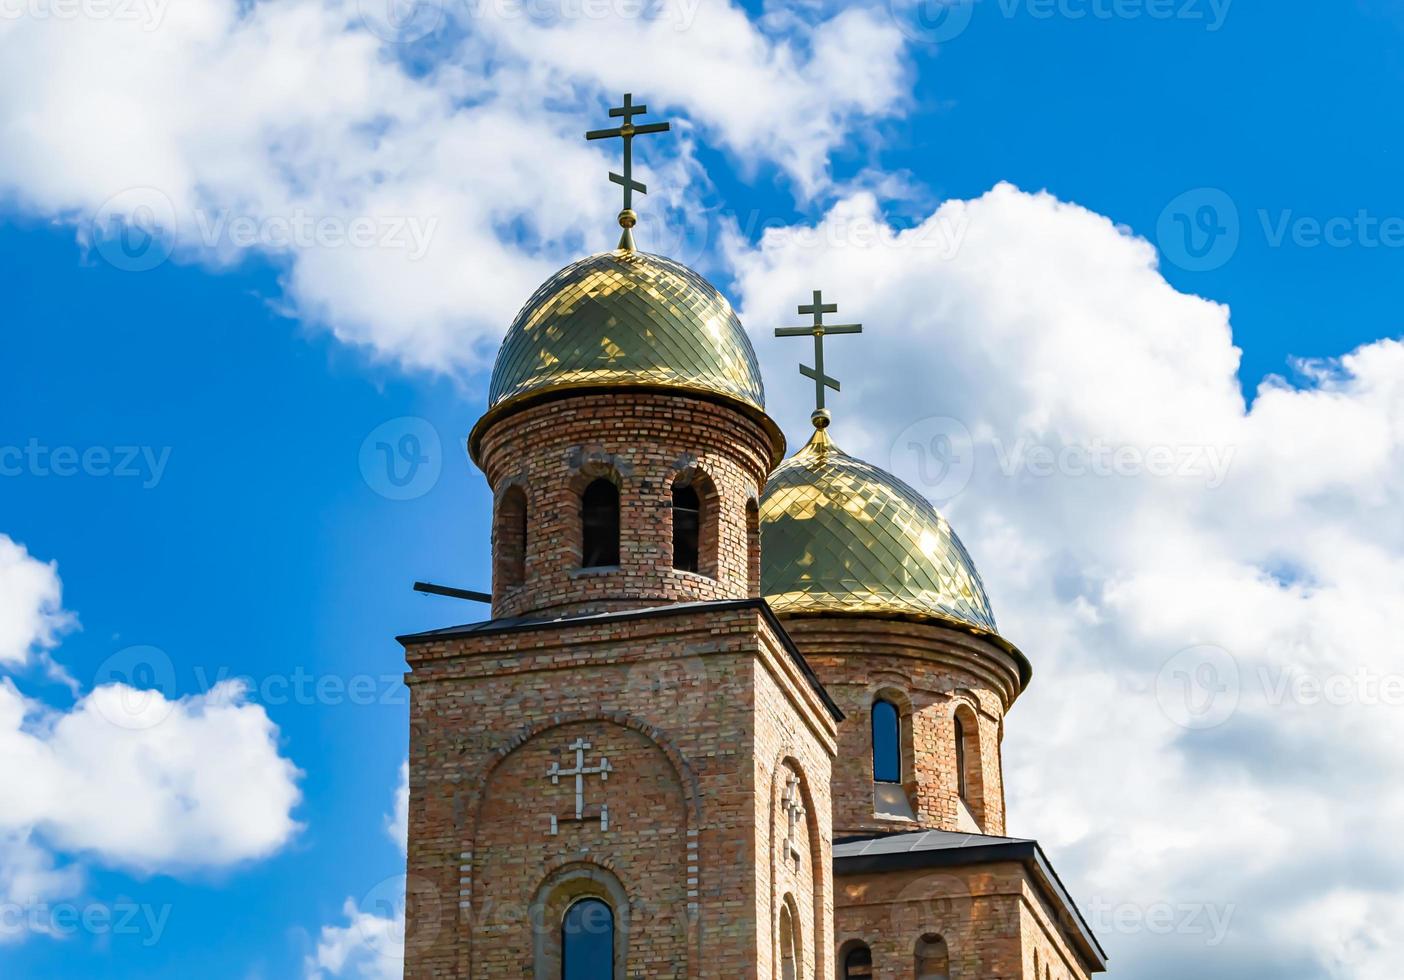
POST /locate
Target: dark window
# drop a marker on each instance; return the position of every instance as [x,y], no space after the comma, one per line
[587,941]
[960,757]
[687,528]
[858,963]
[511,538]
[753,549]
[599,519]
[933,962]
[887,746]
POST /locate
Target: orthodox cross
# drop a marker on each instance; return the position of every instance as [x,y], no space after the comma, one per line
[794,813]
[579,747]
[818,329]
[627,131]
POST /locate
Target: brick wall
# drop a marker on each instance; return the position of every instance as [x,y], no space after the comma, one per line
[696,709]
[989,915]
[644,442]
[930,671]
[789,744]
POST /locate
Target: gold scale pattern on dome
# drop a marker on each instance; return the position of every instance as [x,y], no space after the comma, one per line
[841,535]
[627,318]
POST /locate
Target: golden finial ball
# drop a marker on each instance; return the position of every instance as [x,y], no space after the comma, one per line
[821,418]
[627,218]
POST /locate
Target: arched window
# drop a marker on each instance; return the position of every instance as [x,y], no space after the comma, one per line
[858,963]
[887,745]
[587,941]
[789,946]
[753,549]
[511,534]
[960,758]
[933,961]
[599,521]
[970,772]
[687,528]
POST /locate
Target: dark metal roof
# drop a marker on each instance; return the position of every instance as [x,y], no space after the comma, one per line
[514,624]
[948,849]
[921,840]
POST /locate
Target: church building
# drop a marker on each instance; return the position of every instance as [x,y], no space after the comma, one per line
[734,714]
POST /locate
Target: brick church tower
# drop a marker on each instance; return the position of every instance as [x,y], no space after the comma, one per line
[731,717]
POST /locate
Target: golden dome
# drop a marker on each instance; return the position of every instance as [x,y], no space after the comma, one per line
[839,535]
[627,318]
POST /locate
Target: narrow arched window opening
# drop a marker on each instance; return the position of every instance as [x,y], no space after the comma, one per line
[687,528]
[789,946]
[753,549]
[511,543]
[587,941]
[962,785]
[933,960]
[887,745]
[969,763]
[599,521]
[858,963]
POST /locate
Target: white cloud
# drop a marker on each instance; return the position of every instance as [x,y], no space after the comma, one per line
[32,617]
[371,946]
[203,788]
[786,100]
[1356,931]
[287,122]
[30,878]
[397,822]
[125,778]
[1040,341]
[368,947]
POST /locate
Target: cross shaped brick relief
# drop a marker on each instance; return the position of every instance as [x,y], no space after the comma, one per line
[580,771]
[794,813]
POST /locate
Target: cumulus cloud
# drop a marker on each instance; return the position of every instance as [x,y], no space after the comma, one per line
[125,778]
[1207,587]
[371,945]
[397,822]
[368,947]
[32,617]
[203,786]
[414,195]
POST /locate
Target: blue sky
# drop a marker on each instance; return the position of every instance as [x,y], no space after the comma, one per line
[265,549]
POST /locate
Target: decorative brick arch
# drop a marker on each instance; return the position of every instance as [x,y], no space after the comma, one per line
[587,467]
[511,532]
[900,697]
[564,884]
[753,547]
[689,472]
[472,798]
[473,801]
[810,932]
[965,710]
